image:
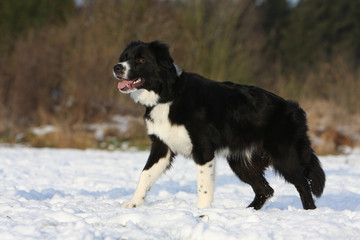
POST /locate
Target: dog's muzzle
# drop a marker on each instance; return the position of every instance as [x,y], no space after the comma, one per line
[119,71]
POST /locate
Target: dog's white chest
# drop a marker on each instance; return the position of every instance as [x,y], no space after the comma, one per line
[175,136]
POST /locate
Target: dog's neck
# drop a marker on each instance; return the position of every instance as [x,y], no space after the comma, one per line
[149,98]
[145,97]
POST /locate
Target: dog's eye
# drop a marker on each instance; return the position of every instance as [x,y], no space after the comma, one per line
[139,60]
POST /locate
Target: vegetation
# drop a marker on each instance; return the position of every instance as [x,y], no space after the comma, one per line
[56,58]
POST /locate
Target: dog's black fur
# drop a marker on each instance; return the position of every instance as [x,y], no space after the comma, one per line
[256,127]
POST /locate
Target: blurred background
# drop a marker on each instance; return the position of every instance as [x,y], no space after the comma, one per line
[56,59]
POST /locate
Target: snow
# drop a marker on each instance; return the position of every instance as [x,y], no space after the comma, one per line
[43,130]
[120,123]
[74,194]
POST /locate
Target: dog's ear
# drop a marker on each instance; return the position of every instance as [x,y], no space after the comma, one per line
[161,51]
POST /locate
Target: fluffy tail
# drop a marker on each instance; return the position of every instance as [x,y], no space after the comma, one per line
[316,176]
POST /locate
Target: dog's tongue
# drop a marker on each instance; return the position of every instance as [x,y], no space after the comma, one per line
[124,83]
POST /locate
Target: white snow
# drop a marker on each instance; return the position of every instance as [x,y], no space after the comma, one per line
[120,123]
[73,194]
[43,130]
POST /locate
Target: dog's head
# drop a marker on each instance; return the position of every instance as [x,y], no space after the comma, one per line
[145,66]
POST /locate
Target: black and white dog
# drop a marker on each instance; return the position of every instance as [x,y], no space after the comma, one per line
[199,118]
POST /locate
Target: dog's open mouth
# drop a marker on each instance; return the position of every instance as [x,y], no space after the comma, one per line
[126,85]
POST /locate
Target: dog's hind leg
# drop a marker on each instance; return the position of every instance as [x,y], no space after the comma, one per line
[250,169]
[301,184]
[294,172]
[159,160]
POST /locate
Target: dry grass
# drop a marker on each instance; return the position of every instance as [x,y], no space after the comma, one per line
[63,139]
[61,75]
[332,128]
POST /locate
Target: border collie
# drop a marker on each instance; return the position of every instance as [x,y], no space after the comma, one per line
[196,117]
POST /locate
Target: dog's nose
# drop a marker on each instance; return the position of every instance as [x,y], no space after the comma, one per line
[119,69]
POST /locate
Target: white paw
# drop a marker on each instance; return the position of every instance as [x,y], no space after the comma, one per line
[132,204]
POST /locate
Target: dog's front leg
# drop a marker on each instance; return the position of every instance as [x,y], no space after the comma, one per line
[206,183]
[159,160]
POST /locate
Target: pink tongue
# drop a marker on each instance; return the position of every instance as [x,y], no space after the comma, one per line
[124,84]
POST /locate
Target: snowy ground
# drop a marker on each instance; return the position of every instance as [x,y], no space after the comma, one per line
[72,194]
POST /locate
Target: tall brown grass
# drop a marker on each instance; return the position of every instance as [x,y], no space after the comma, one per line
[62,74]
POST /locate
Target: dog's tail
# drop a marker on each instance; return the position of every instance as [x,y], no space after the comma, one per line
[316,176]
[313,171]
